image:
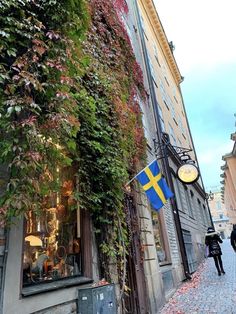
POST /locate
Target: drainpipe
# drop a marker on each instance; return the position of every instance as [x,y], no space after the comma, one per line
[6,235]
[165,161]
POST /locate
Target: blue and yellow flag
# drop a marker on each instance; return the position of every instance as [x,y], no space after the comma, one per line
[154,185]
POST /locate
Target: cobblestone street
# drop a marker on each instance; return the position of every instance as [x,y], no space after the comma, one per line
[207,293]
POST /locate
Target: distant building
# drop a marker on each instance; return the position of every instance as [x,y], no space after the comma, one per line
[219,214]
[228,189]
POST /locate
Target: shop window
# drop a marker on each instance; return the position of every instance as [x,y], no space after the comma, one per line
[158,238]
[52,242]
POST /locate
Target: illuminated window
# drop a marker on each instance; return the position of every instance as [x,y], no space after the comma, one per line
[52,243]
[158,238]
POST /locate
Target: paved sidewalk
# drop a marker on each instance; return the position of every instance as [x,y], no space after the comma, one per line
[207,293]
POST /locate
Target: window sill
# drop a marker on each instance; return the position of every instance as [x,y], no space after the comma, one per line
[165,263]
[55,285]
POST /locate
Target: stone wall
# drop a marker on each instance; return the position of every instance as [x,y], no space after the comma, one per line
[3,186]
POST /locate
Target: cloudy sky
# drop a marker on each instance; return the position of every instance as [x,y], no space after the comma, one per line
[203,33]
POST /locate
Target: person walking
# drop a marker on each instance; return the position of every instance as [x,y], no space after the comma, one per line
[233,238]
[212,241]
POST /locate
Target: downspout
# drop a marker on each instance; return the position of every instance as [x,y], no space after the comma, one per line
[6,234]
[165,161]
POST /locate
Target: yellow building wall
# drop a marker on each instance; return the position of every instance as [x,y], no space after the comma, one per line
[166,77]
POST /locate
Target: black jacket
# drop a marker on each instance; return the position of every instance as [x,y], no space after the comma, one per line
[233,238]
[212,240]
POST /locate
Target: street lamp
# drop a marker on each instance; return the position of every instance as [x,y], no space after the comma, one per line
[188,173]
[210,196]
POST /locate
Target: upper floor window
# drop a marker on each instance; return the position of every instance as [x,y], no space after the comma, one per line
[163,94]
[218,205]
[143,25]
[127,27]
[151,68]
[172,108]
[179,142]
[156,53]
[161,119]
[145,127]
[172,135]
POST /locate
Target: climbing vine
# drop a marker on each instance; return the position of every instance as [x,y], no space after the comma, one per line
[69,91]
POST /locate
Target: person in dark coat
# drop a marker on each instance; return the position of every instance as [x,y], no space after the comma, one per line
[233,238]
[212,240]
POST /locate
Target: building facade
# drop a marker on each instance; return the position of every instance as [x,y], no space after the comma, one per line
[229,182]
[173,238]
[189,208]
[219,214]
[165,246]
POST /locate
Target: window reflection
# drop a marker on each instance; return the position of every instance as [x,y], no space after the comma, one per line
[52,244]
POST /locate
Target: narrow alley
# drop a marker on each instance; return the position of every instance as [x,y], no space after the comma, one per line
[207,293]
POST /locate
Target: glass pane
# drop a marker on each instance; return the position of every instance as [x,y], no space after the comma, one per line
[52,246]
[161,255]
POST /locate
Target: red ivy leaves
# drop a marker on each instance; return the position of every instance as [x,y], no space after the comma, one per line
[121,6]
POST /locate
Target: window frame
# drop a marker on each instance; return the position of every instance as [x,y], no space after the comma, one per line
[84,220]
[164,238]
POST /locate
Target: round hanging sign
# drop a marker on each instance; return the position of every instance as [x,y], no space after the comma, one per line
[188,173]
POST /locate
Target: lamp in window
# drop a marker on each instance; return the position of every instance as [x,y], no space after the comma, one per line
[34,241]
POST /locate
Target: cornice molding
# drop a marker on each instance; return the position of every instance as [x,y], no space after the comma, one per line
[149,6]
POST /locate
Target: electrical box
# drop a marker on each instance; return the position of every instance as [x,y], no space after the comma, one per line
[97,300]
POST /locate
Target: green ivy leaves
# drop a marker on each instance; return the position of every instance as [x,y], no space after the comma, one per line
[68,85]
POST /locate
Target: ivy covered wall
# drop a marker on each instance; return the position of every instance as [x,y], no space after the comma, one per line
[69,90]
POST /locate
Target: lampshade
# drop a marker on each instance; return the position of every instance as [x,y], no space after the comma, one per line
[34,241]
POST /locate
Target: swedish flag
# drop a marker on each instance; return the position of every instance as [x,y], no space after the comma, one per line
[154,185]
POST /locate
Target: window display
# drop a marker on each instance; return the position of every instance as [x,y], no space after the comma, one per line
[161,255]
[52,244]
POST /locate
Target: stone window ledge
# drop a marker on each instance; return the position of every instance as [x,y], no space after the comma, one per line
[54,285]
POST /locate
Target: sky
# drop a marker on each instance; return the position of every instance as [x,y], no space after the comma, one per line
[203,33]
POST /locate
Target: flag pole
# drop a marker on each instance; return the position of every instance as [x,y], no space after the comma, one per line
[141,171]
